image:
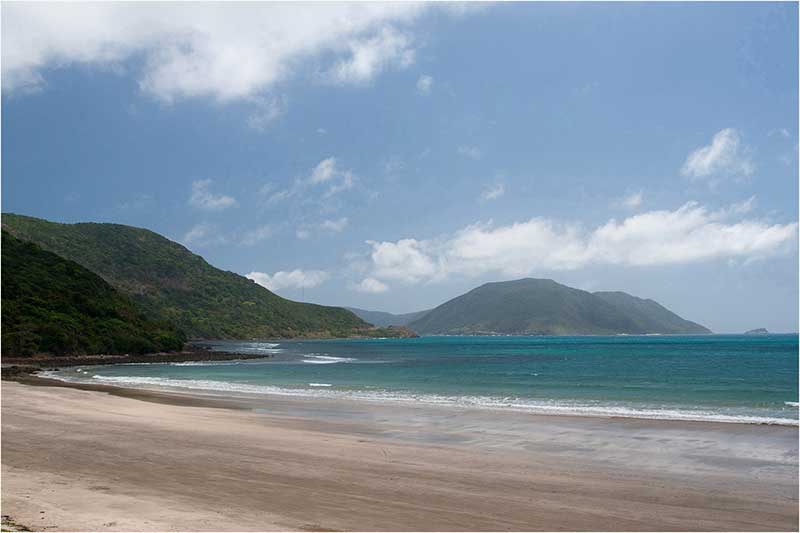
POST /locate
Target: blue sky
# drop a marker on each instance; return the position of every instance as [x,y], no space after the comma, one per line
[392,156]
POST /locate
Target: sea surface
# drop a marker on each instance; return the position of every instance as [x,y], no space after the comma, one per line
[726,378]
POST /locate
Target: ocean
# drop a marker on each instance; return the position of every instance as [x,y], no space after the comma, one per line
[725,378]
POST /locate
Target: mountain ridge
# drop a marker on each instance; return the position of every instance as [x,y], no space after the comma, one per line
[532,306]
[384,319]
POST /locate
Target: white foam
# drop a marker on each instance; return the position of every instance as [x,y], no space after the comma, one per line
[320,385]
[549,407]
[792,404]
[326,359]
[218,363]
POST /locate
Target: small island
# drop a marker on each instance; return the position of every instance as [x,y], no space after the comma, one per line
[757,331]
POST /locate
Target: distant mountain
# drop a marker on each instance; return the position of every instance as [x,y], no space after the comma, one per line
[381,319]
[544,307]
[171,283]
[55,306]
[757,331]
[650,316]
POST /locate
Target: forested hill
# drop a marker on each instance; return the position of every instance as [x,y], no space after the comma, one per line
[544,307]
[171,283]
[53,305]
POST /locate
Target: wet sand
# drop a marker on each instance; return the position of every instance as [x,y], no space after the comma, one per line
[89,460]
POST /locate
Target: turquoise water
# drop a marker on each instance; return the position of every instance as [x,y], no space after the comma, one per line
[735,378]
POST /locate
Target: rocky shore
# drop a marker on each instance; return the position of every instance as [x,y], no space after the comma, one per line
[15,367]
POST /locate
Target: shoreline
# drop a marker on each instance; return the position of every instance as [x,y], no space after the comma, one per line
[199,398]
[305,464]
[254,397]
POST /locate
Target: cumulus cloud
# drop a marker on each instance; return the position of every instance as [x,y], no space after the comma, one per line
[406,260]
[226,51]
[371,285]
[725,156]
[494,192]
[202,198]
[424,84]
[298,279]
[691,233]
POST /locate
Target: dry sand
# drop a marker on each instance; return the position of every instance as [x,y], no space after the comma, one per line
[87,460]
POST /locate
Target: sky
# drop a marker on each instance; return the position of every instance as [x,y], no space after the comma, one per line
[393,156]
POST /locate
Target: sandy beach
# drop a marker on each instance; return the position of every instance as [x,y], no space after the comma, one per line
[87,460]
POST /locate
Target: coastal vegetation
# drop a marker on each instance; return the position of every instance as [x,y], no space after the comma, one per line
[55,306]
[173,284]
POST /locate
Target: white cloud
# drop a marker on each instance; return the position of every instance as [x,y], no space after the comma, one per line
[302,233]
[632,200]
[256,235]
[202,198]
[371,285]
[725,156]
[473,152]
[688,234]
[326,171]
[280,195]
[405,260]
[226,51]
[336,226]
[298,279]
[323,171]
[368,57]
[494,192]
[424,84]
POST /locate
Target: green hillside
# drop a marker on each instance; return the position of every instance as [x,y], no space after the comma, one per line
[544,307]
[650,316]
[172,283]
[56,306]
